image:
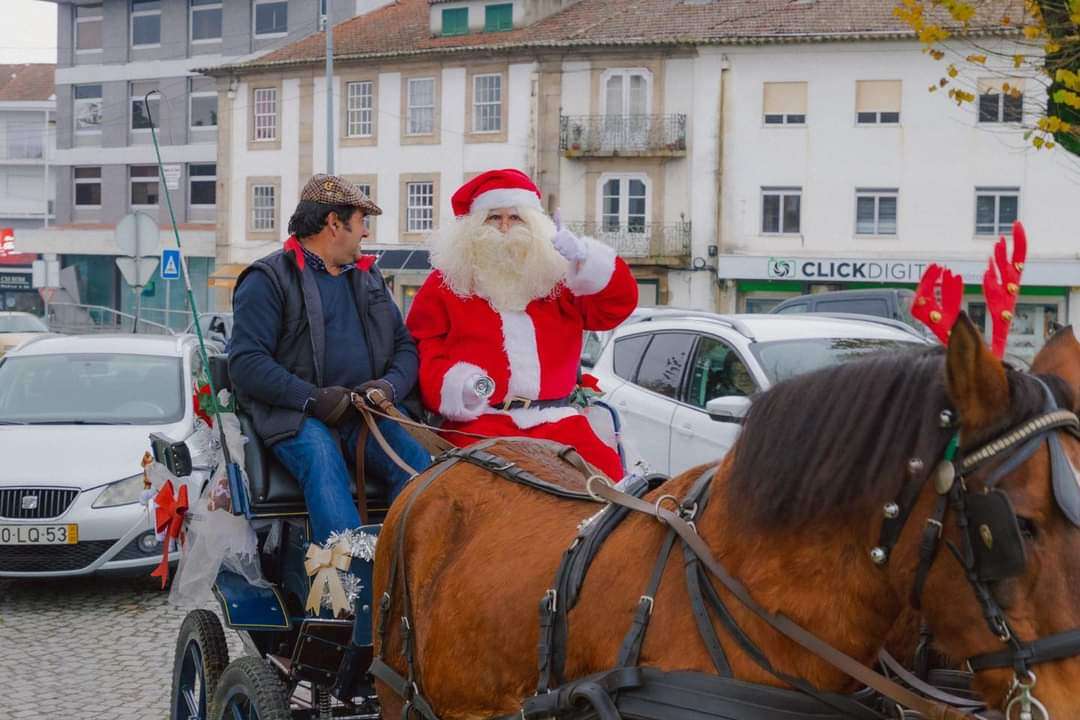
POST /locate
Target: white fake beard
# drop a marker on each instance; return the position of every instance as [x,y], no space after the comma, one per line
[509,271]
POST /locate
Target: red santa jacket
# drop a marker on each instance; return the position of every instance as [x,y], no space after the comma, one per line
[532,354]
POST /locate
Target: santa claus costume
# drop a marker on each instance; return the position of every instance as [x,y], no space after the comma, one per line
[512,307]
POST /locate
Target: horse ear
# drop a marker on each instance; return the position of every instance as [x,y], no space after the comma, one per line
[976,379]
[1061,356]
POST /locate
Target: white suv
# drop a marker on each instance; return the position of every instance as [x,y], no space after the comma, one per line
[681,384]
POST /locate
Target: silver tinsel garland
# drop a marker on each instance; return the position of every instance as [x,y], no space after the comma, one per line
[361,545]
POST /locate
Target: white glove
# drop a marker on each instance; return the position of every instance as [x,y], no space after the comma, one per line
[569,245]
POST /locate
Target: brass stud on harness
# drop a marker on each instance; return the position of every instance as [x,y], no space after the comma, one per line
[891,510]
[946,418]
[878,555]
[915,466]
[987,536]
[944,477]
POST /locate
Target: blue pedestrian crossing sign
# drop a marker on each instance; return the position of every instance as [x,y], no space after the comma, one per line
[170,264]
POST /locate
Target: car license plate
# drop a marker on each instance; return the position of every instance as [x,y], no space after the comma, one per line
[39,534]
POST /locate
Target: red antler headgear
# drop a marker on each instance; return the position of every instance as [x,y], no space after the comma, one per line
[1001,286]
[938,316]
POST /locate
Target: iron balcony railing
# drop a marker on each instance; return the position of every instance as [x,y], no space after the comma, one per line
[640,240]
[632,135]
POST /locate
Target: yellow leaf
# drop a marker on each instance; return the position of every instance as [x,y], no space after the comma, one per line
[1031,32]
[1049,145]
[943,82]
[1037,142]
[1004,87]
[953,72]
[980,59]
[1018,60]
[1006,20]
[1052,47]
[937,54]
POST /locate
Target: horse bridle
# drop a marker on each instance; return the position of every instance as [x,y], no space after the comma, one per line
[992,544]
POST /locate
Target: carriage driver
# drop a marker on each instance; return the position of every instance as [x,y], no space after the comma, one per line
[313,322]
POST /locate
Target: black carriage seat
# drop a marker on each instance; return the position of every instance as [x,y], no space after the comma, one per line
[273,491]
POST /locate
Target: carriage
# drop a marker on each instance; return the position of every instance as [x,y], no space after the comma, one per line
[624,538]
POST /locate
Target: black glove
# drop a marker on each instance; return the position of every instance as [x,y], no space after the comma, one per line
[381,385]
[330,405]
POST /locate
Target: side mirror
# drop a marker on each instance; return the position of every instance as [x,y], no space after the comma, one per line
[729,408]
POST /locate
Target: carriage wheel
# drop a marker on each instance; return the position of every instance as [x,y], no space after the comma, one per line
[250,690]
[201,657]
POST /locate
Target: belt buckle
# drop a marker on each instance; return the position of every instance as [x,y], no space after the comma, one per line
[525,402]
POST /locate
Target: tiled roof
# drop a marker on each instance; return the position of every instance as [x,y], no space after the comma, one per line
[26,82]
[403,27]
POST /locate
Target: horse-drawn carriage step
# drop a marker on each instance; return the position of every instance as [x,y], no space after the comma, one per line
[320,647]
[250,607]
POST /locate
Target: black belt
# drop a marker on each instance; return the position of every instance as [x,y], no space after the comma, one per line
[520,403]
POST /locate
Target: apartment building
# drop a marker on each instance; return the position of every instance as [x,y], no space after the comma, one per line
[27,187]
[733,158]
[111,53]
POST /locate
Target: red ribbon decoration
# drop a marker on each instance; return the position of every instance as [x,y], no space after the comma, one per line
[169,514]
[1001,286]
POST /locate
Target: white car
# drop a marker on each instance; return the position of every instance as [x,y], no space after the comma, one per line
[18,327]
[681,384]
[76,413]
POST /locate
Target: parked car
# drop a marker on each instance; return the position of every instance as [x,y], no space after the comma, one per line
[18,327]
[682,384]
[892,303]
[76,413]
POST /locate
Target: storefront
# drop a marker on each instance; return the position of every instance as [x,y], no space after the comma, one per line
[756,283]
[17,292]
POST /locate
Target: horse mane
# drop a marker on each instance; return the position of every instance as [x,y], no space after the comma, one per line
[841,438]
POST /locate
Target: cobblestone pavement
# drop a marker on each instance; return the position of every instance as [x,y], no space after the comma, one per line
[88,648]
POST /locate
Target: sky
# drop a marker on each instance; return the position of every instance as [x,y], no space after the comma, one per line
[30,31]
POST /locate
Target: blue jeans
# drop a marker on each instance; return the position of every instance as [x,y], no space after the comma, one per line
[318,462]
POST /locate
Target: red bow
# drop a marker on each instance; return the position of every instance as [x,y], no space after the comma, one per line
[169,514]
[1001,286]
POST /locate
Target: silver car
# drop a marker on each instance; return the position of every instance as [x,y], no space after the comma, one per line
[76,413]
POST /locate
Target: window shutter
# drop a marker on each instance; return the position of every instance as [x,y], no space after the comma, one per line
[877,96]
[785,98]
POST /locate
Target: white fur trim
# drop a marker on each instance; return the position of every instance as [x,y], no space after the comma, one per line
[525,418]
[591,275]
[519,342]
[458,402]
[505,198]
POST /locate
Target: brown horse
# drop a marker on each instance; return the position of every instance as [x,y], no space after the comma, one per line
[796,508]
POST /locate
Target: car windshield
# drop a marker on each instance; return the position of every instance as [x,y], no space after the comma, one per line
[783,359]
[22,324]
[91,389]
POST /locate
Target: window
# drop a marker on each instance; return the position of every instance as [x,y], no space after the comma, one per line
[662,365]
[206,21]
[455,21]
[203,181]
[265,114]
[718,371]
[858,306]
[204,101]
[793,308]
[420,210]
[487,103]
[785,103]
[877,102]
[499,17]
[421,106]
[88,187]
[626,92]
[1000,101]
[24,140]
[140,119]
[271,17]
[781,209]
[88,22]
[361,103]
[366,189]
[624,204]
[87,109]
[144,185]
[145,23]
[322,12]
[995,210]
[875,212]
[627,356]
[263,208]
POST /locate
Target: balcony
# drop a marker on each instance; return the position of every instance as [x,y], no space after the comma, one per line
[622,135]
[663,244]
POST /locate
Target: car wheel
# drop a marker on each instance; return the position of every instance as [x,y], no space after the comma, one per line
[201,657]
[250,690]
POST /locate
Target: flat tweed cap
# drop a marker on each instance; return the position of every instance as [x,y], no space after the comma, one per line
[334,190]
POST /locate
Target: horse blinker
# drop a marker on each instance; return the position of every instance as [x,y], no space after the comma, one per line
[996,540]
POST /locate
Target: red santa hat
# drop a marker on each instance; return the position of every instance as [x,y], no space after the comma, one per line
[496,189]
